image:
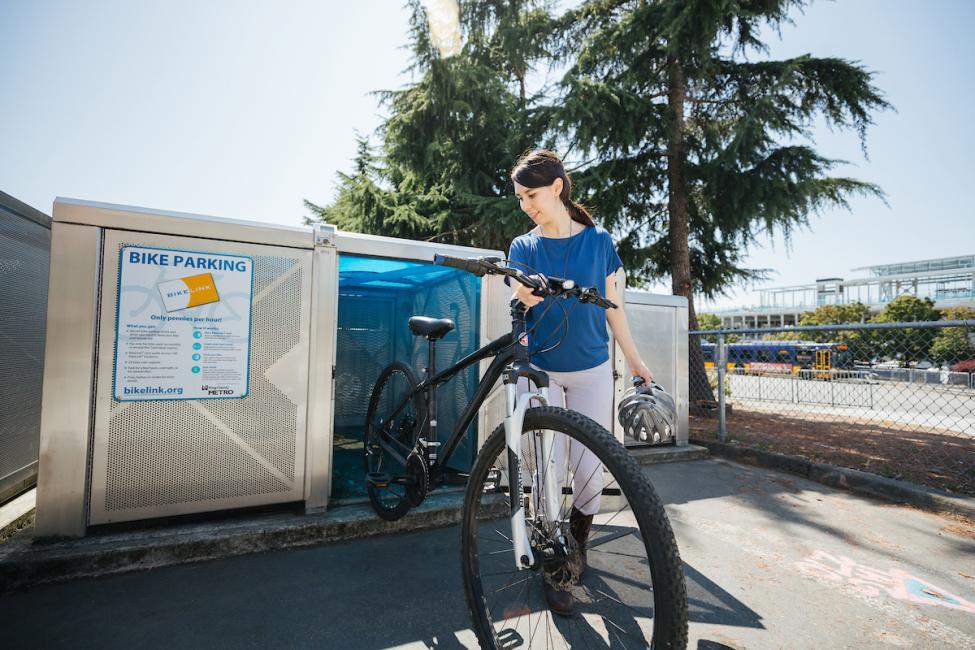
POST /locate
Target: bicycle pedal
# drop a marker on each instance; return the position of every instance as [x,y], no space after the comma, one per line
[378,479]
[456,479]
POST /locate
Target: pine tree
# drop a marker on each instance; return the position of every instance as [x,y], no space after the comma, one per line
[441,172]
[687,149]
[692,150]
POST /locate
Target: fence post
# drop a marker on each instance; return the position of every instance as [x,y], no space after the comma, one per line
[722,366]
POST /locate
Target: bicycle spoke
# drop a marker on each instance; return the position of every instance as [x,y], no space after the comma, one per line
[614,600]
[584,636]
[509,586]
[599,470]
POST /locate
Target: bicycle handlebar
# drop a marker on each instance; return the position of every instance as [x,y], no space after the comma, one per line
[556,287]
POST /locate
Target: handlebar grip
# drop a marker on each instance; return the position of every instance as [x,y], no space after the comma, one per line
[471,266]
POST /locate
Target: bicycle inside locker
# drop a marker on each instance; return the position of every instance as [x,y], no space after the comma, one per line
[377,297]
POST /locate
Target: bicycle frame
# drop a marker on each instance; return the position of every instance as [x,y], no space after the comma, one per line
[510,362]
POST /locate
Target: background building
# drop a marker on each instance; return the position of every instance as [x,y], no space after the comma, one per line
[948,281]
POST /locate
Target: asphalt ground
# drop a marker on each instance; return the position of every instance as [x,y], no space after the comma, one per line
[771,561]
[930,405]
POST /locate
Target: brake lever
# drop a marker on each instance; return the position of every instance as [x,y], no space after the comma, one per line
[591,295]
[541,291]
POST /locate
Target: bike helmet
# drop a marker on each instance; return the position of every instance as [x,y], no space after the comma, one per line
[648,413]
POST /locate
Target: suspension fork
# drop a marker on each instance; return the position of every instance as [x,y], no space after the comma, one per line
[545,473]
[515,408]
[513,421]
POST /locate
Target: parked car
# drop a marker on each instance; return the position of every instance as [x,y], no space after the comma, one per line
[968,365]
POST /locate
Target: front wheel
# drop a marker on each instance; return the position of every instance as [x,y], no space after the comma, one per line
[610,544]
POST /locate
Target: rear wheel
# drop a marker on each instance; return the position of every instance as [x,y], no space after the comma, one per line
[389,419]
[629,592]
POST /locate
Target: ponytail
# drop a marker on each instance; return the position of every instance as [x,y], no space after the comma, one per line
[579,212]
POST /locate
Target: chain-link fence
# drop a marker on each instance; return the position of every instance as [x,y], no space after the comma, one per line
[896,399]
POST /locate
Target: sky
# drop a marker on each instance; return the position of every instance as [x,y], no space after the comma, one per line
[243,109]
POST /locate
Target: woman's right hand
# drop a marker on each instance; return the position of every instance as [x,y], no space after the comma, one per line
[525,295]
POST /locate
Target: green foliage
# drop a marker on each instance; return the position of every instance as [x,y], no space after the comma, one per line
[907,345]
[712,322]
[440,170]
[958,313]
[746,171]
[836,315]
[857,341]
[954,344]
[907,309]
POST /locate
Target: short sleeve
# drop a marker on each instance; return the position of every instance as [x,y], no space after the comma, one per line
[613,261]
[516,254]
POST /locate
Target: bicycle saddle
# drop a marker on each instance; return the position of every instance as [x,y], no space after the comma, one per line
[432,328]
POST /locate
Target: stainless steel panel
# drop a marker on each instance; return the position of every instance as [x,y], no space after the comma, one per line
[125,217]
[321,381]
[659,327]
[15,483]
[69,357]
[159,458]
[495,321]
[25,260]
[681,369]
[405,249]
[621,382]
[638,297]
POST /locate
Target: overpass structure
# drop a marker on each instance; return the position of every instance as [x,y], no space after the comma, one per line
[948,281]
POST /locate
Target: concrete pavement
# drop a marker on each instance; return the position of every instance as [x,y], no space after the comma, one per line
[772,561]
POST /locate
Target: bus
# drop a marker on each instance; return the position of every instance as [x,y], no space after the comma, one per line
[781,357]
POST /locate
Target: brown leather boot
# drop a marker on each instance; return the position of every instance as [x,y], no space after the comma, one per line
[579,526]
[560,602]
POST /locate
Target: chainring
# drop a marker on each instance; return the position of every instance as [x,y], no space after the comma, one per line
[416,470]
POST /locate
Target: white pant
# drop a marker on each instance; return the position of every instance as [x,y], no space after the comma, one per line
[589,392]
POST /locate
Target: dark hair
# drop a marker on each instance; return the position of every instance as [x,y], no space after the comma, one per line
[540,168]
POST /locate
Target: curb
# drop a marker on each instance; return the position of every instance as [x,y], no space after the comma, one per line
[653,455]
[849,479]
[24,563]
[16,511]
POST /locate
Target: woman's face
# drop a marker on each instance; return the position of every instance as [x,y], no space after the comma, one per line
[542,204]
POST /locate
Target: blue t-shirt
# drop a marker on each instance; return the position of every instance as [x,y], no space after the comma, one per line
[587,257]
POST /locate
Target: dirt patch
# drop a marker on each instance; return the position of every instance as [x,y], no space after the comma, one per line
[939,459]
[961,531]
[25,522]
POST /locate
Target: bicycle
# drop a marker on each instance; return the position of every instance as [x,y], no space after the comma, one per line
[624,571]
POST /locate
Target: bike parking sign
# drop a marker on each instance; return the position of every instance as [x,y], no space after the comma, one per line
[183,328]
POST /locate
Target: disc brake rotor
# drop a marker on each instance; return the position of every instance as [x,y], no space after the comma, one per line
[561,561]
[416,470]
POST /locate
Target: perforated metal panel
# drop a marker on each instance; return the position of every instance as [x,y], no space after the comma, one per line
[659,328]
[25,252]
[158,458]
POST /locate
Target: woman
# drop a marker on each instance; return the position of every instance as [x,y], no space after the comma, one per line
[570,344]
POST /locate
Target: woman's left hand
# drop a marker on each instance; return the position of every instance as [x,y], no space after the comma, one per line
[641,369]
